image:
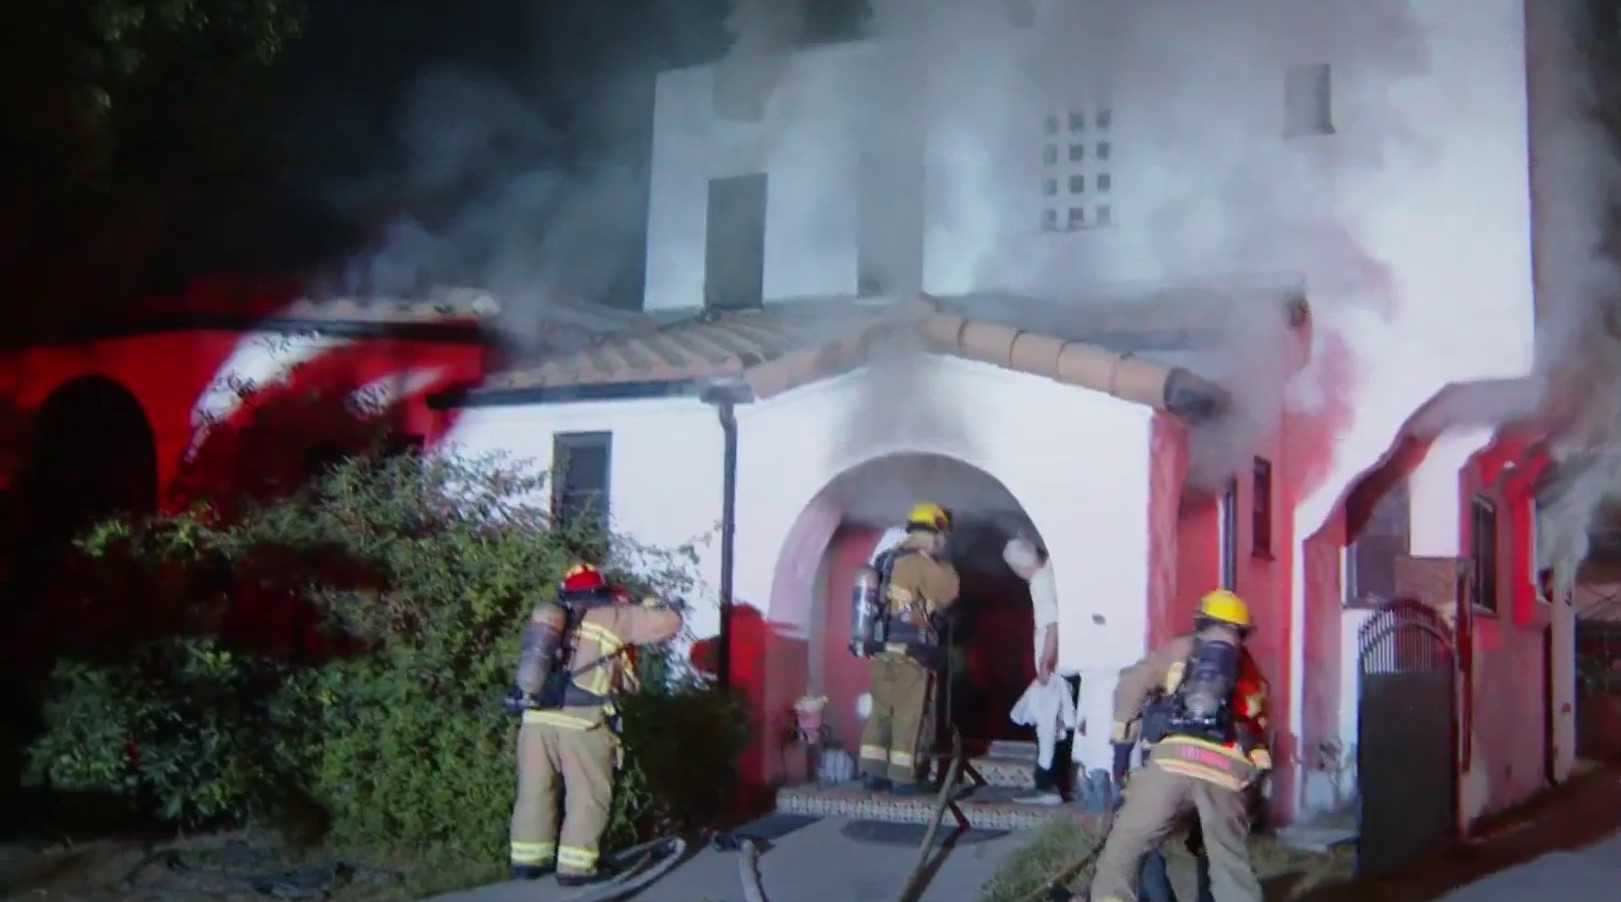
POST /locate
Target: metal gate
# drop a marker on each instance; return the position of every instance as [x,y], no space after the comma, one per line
[1407,735]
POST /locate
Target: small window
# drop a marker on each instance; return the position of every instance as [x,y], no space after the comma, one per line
[1077,184]
[1105,215]
[1308,101]
[1077,218]
[1371,558]
[1103,150]
[1104,182]
[1077,121]
[1105,118]
[1229,537]
[1261,513]
[1049,187]
[1483,553]
[1049,126]
[1077,153]
[1049,220]
[1050,155]
[580,467]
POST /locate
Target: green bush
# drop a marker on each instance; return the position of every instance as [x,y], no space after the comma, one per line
[425,569]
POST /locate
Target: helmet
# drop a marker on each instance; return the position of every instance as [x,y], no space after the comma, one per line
[582,577]
[1223,606]
[928,515]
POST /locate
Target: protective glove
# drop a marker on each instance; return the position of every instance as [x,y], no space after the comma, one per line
[516,701]
[1122,761]
[1261,758]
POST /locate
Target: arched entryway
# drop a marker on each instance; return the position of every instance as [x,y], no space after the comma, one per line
[841,528]
[93,456]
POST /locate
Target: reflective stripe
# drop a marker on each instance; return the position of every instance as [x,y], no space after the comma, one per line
[1198,772]
[874,753]
[532,852]
[599,679]
[900,759]
[1226,751]
[554,718]
[574,858]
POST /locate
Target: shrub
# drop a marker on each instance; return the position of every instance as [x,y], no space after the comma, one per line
[423,568]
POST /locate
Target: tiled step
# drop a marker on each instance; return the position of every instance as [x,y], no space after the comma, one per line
[1014,773]
[987,808]
[1010,748]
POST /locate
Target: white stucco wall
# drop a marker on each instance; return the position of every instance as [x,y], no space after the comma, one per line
[1075,460]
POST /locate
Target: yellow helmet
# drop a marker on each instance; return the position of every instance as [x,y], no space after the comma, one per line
[1225,607]
[928,515]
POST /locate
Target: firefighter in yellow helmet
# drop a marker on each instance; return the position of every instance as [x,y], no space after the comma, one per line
[1212,753]
[917,584]
[570,669]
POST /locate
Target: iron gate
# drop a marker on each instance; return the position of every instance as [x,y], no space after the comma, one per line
[1407,735]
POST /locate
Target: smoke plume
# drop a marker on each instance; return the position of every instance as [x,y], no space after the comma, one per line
[1211,172]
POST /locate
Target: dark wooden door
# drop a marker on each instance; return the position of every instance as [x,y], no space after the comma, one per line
[1407,737]
[734,245]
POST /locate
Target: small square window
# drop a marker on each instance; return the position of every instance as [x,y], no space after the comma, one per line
[1077,152]
[1105,215]
[1105,118]
[1077,184]
[1049,220]
[1049,187]
[1050,155]
[1077,217]
[1308,101]
[1104,182]
[1077,121]
[1049,126]
[1103,150]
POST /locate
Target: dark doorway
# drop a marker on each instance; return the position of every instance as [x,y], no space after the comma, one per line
[1407,736]
[734,245]
[994,648]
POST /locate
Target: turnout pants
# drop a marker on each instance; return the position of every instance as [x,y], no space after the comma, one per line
[1156,801]
[898,727]
[578,764]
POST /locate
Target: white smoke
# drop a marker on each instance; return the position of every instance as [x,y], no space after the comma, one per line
[1207,184]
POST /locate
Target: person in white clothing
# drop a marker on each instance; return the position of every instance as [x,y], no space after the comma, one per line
[1033,566]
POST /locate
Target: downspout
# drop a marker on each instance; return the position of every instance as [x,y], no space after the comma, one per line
[724,396]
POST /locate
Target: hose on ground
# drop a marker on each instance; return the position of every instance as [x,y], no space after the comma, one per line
[748,873]
[1055,889]
[947,788]
[635,878]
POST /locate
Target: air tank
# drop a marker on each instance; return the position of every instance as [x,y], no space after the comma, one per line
[542,639]
[866,610]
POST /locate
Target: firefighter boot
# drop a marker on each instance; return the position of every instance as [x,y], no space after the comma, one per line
[530,871]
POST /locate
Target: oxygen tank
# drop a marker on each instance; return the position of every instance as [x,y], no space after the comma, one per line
[866,610]
[542,640]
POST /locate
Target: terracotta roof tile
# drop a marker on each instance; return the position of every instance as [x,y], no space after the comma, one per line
[782,347]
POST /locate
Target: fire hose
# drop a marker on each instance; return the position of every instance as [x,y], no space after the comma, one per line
[636,876]
[748,873]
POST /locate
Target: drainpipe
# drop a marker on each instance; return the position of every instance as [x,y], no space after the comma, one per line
[724,396]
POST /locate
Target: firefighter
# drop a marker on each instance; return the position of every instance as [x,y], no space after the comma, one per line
[918,587]
[1155,884]
[1212,753]
[572,665]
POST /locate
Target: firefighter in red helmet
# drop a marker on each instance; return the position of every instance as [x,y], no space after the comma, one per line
[572,665]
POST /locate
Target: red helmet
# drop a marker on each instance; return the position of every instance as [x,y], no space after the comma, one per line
[583,578]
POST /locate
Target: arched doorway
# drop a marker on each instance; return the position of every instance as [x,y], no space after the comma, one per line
[841,529]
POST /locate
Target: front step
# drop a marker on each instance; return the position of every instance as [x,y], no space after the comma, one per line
[986,808]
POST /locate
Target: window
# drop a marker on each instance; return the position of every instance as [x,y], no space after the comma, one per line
[1077,218]
[1073,164]
[1308,101]
[1371,557]
[1077,121]
[1104,182]
[1077,153]
[1050,155]
[1105,118]
[1077,184]
[1105,215]
[734,243]
[1541,574]
[580,465]
[1483,552]
[1049,126]
[1049,220]
[1104,150]
[1049,187]
[1229,536]
[1261,514]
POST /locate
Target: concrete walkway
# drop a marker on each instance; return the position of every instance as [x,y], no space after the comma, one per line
[817,862]
[1584,875]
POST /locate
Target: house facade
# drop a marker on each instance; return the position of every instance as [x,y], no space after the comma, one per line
[1374,158]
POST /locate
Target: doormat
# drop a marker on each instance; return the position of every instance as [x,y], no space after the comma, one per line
[886,834]
[773,827]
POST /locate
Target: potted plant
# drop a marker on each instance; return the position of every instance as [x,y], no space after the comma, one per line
[808,715]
